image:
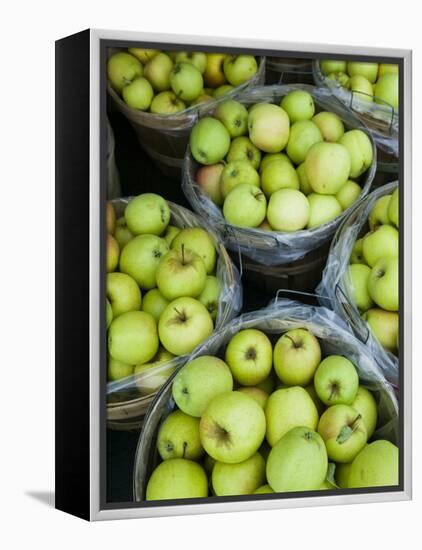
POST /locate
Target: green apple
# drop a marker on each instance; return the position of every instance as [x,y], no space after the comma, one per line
[383,283]
[132,338]
[269,127]
[264,489]
[181,273]
[232,427]
[183,325]
[268,384]
[110,218]
[271,157]
[154,303]
[157,72]
[117,370]
[327,167]
[242,148]
[210,295]
[296,356]
[342,78]
[366,406]
[343,431]
[298,462]
[377,465]
[379,213]
[359,147]
[328,66]
[393,208]
[213,74]
[361,88]
[368,70]
[245,206]
[122,68]
[314,396]
[342,474]
[109,313]
[380,244]
[122,234]
[239,68]
[356,256]
[242,478]
[198,382]
[186,81]
[167,103]
[147,214]
[209,141]
[288,408]
[304,185]
[385,327]
[151,376]
[249,355]
[303,134]
[322,209]
[299,105]
[144,55]
[265,226]
[387,90]
[222,90]
[112,253]
[348,194]
[197,59]
[199,241]
[140,259]
[234,116]
[256,393]
[336,381]
[288,210]
[203,98]
[358,286]
[171,233]
[177,478]
[123,293]
[138,94]
[330,125]
[178,437]
[278,174]
[235,173]
[208,180]
[385,68]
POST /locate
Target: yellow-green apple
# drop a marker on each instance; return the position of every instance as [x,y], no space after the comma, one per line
[242,478]
[385,327]
[270,157]
[183,325]
[379,213]
[178,437]
[202,98]
[122,234]
[278,174]
[265,226]
[117,370]
[199,241]
[297,354]
[158,70]
[132,337]
[304,185]
[264,489]
[356,257]
[330,125]
[342,474]
[138,94]
[140,259]
[147,214]
[393,208]
[314,396]
[110,218]
[167,103]
[154,303]
[232,427]
[368,70]
[327,167]
[332,66]
[234,116]
[198,382]
[245,206]
[235,173]
[336,381]
[362,89]
[112,253]
[177,478]
[239,68]
[122,68]
[383,283]
[268,384]
[210,295]
[357,283]
[109,313]
[269,127]
[359,147]
[298,462]
[322,209]
[186,81]
[303,134]
[180,273]
[171,233]
[342,78]
[366,406]
[249,355]
[288,210]
[381,243]
[222,90]
[151,376]
[209,141]
[213,74]
[387,90]
[288,408]
[144,55]
[256,393]
[377,465]
[344,433]
[385,68]
[123,293]
[299,105]
[208,179]
[348,194]
[242,148]
[198,59]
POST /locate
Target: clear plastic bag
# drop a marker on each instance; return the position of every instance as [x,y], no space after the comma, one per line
[274,247]
[280,316]
[113,178]
[382,120]
[333,290]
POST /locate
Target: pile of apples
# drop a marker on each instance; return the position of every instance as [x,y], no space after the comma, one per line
[162,292]
[279,167]
[169,82]
[234,434]
[369,81]
[374,272]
